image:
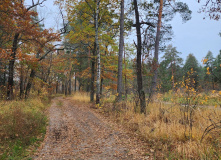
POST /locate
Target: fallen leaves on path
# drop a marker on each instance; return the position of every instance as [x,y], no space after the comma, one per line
[76,132]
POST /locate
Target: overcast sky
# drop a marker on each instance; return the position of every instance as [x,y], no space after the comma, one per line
[196,36]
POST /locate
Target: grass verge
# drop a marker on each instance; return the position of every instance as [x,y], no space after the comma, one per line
[22,128]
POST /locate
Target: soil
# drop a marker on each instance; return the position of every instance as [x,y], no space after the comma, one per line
[76,131]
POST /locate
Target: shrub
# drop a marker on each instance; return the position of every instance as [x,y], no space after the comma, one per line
[21,122]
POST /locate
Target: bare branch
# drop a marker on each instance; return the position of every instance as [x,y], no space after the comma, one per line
[35,4]
[64,29]
[147,23]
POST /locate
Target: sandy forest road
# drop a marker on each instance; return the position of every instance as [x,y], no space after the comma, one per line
[77,132]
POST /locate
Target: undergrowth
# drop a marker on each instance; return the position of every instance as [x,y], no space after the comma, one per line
[81,97]
[209,98]
[164,128]
[22,127]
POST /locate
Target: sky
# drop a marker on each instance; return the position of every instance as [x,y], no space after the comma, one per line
[197,36]
[49,12]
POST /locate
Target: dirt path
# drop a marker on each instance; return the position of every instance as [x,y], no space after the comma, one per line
[76,132]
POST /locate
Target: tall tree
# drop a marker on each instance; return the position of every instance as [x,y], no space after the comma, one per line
[217,69]
[170,68]
[139,65]
[120,56]
[208,67]
[97,53]
[20,17]
[192,63]
[166,12]
[156,51]
[92,22]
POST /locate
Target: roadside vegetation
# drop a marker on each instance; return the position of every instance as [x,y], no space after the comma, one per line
[22,127]
[167,127]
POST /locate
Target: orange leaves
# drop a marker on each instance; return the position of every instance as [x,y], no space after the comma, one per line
[86,73]
[113,86]
[208,72]
[204,60]
[4,53]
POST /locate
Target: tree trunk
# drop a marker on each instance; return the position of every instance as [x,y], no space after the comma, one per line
[21,82]
[120,56]
[69,86]
[66,87]
[4,77]
[62,88]
[88,85]
[156,53]
[125,78]
[79,87]
[92,74]
[139,69]
[98,54]
[11,68]
[101,86]
[30,81]
[75,82]
[172,76]
[57,84]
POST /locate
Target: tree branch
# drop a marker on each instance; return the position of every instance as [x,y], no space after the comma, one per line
[147,23]
[35,4]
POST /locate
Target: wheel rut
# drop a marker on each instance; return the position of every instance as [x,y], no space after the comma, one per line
[76,132]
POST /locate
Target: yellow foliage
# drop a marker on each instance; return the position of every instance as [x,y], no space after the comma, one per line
[204,60]
[207,70]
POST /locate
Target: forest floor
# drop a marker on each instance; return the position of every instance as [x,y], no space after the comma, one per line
[76,131]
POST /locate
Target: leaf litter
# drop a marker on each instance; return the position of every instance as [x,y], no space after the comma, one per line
[75,131]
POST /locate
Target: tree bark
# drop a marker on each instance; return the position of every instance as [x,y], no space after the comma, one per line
[120,56]
[125,78]
[98,54]
[66,87]
[88,85]
[69,82]
[30,81]
[156,53]
[62,87]
[57,84]
[11,68]
[101,86]
[4,77]
[75,82]
[92,74]
[21,82]
[139,66]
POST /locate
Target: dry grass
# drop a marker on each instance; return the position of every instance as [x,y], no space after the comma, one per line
[21,123]
[81,97]
[163,127]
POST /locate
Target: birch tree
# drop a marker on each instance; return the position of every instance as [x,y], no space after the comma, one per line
[97,53]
